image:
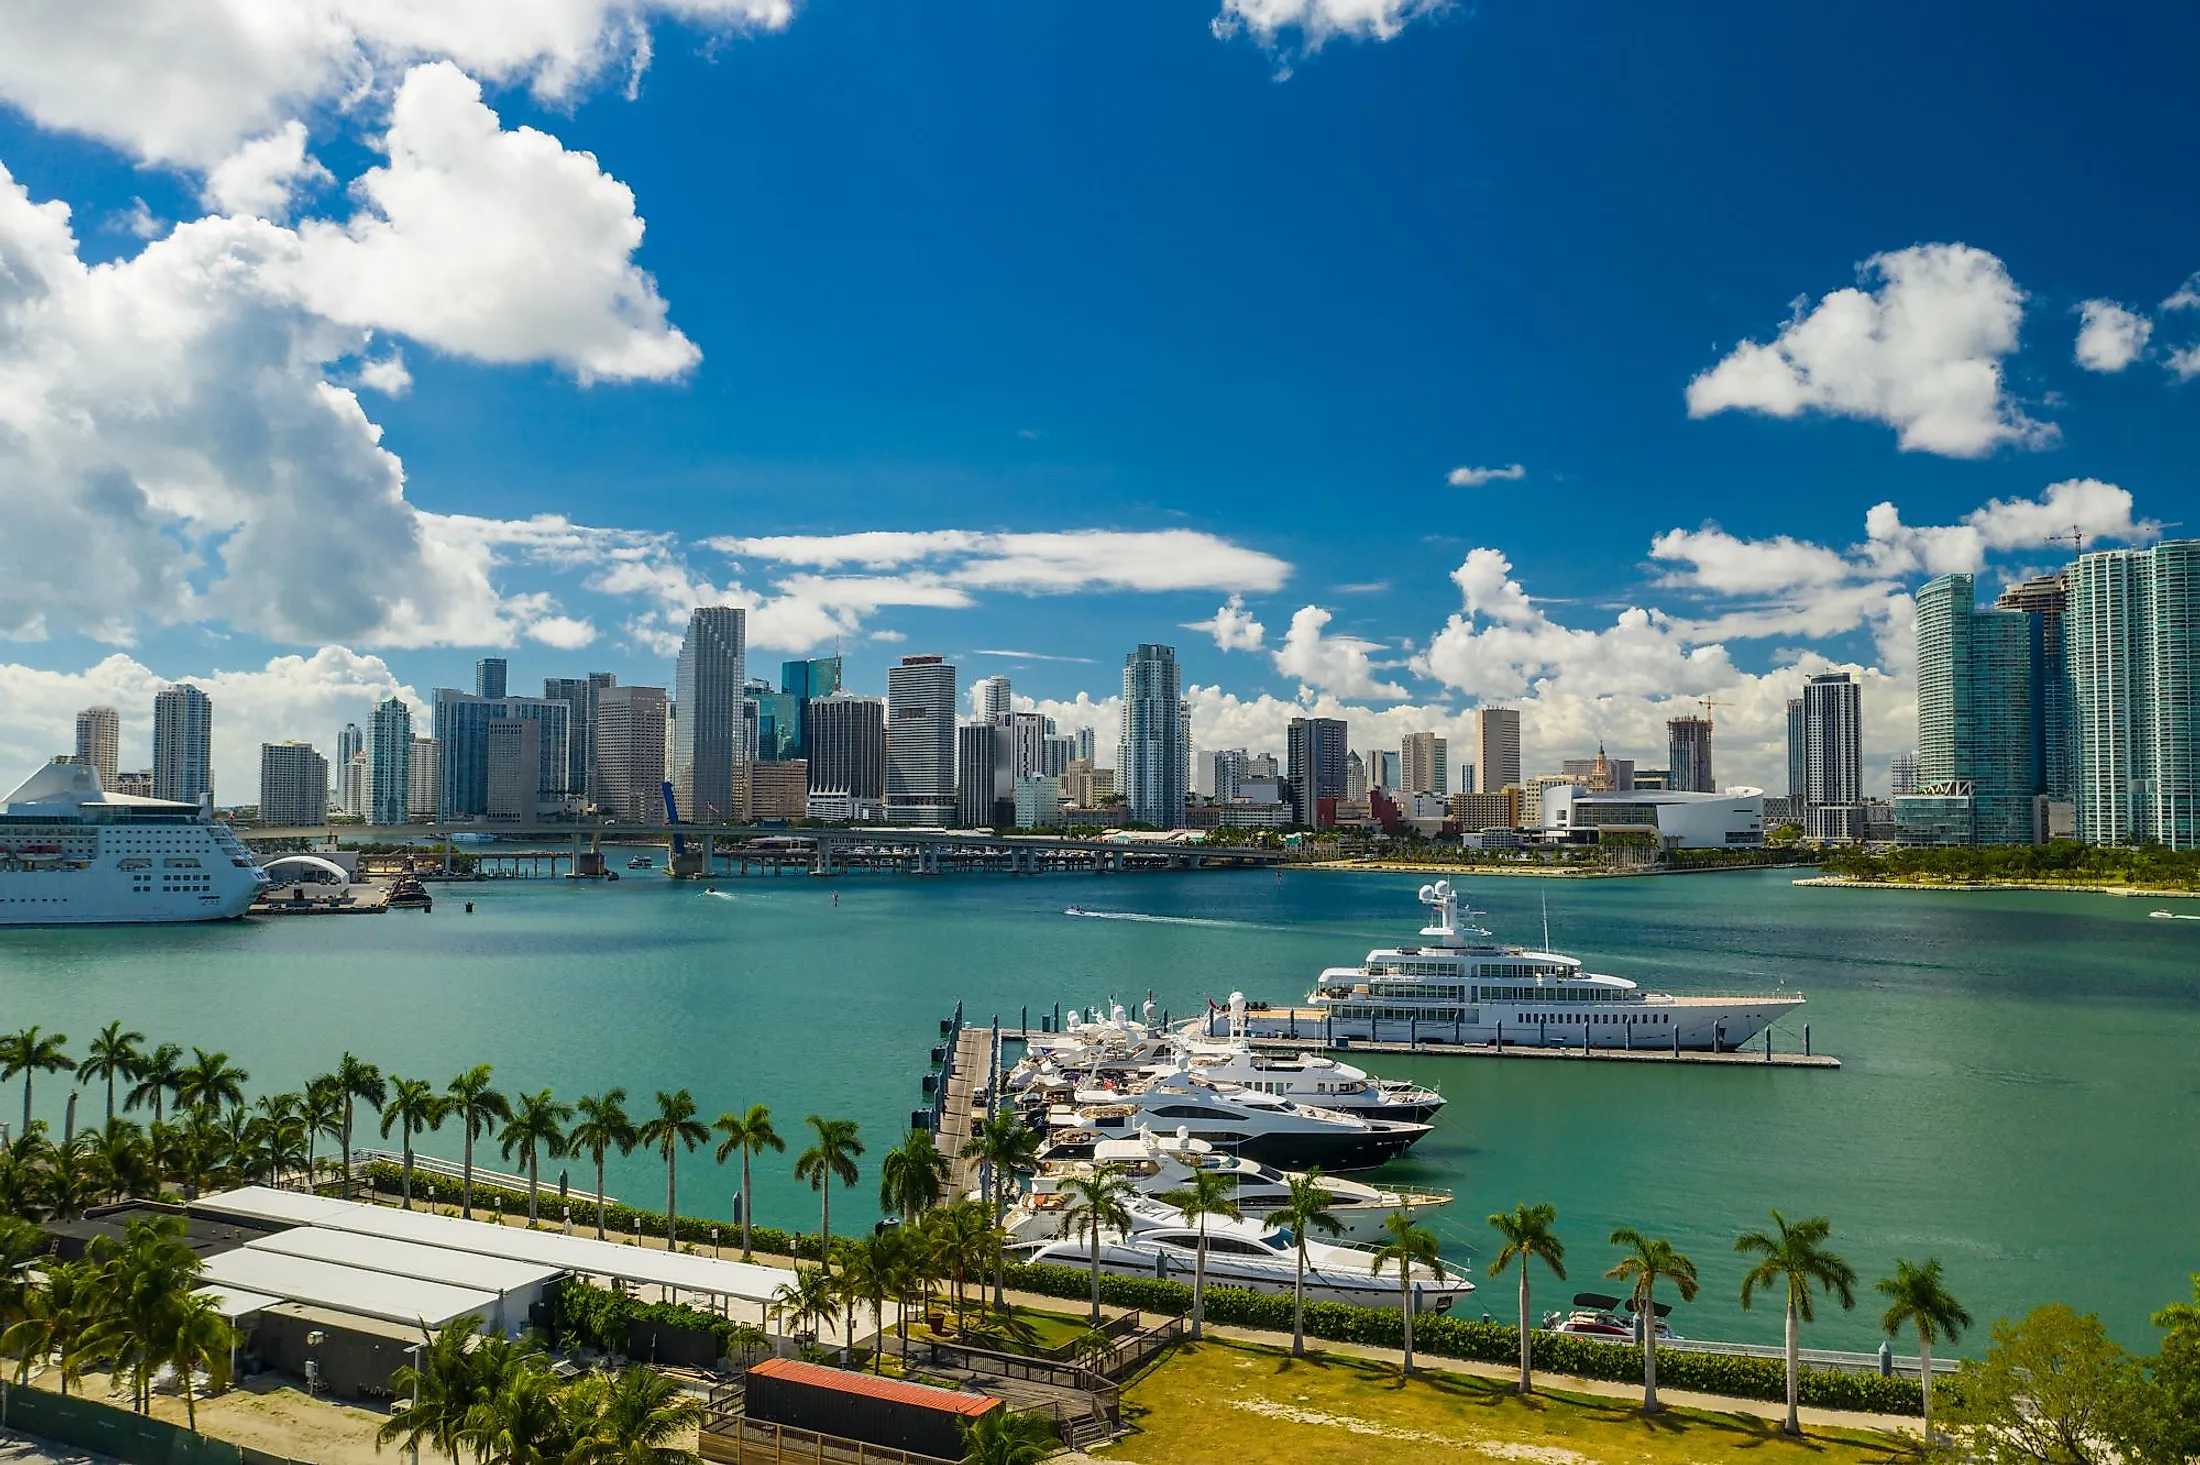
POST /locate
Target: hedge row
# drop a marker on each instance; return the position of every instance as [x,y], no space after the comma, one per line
[1443,1336]
[1453,1337]
[597,1317]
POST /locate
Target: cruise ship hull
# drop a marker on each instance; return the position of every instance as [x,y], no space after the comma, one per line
[84,899]
[1691,1024]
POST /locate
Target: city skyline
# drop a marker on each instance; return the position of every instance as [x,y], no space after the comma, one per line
[1796,401]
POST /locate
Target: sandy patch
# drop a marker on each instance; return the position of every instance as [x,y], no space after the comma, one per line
[1495,1449]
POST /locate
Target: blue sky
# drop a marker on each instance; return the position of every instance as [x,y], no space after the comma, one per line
[1241,298]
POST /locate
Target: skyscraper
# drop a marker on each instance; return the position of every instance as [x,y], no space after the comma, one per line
[293,784]
[1153,763]
[1424,761]
[389,763]
[920,740]
[985,779]
[183,745]
[630,753]
[1087,745]
[513,768]
[2045,600]
[421,783]
[1385,769]
[1833,757]
[1980,757]
[99,743]
[462,730]
[709,759]
[1496,749]
[490,677]
[1224,770]
[847,737]
[1689,755]
[2133,633]
[806,681]
[1796,738]
[579,694]
[350,771]
[1314,766]
[1902,773]
[994,700]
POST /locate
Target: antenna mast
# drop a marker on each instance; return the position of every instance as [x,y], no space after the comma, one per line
[1546,920]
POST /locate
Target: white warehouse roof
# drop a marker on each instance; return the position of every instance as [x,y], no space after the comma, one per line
[234,1303]
[346,1289]
[405,1259]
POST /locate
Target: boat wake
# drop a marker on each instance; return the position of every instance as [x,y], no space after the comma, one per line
[722,894]
[2172,916]
[1077,910]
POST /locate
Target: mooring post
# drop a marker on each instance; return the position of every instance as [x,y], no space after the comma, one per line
[1768,1044]
[1676,1040]
[1806,1040]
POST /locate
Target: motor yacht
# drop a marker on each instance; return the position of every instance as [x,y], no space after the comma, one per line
[1259,1126]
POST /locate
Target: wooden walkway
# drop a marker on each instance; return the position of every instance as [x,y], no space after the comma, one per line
[1755,1057]
[961,1114]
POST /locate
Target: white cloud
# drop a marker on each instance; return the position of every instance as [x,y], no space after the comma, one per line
[566,633]
[187,81]
[2185,297]
[2184,362]
[1920,351]
[304,697]
[387,375]
[1315,23]
[1324,663]
[2110,337]
[1484,578]
[1075,559]
[2099,511]
[1233,626]
[1476,477]
[498,245]
[259,179]
[1719,562]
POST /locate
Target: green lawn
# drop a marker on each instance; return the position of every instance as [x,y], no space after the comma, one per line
[1219,1404]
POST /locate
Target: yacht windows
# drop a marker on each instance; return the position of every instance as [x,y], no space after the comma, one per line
[1189,1111]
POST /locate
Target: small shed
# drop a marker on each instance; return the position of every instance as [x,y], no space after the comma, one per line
[859,1406]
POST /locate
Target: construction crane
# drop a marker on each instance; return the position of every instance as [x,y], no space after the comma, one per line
[1708,704]
[2075,539]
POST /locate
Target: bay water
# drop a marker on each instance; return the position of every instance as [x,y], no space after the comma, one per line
[2019,1095]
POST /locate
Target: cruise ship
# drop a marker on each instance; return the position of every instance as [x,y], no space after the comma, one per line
[1460,985]
[74,855]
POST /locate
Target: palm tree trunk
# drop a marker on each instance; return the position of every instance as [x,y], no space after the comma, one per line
[408,1186]
[748,1203]
[190,1401]
[1405,1312]
[26,1101]
[599,1195]
[110,1097]
[533,1185]
[466,1194]
[824,1222]
[672,1202]
[1649,1316]
[1096,1271]
[1925,1379]
[1298,1306]
[1199,1282]
[1794,1423]
[1527,1380]
[347,1145]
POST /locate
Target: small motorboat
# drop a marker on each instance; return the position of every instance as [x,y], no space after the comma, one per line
[641,862]
[1595,1315]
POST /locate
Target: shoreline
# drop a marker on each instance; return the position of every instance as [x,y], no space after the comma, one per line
[1847,882]
[1516,872]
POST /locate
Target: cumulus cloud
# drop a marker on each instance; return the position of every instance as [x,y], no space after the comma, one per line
[2110,336]
[1075,559]
[1325,663]
[2184,362]
[187,81]
[498,245]
[1918,345]
[1476,477]
[1718,561]
[1233,627]
[259,179]
[1305,26]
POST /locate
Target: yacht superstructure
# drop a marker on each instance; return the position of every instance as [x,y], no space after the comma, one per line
[72,854]
[1461,985]
[1259,1126]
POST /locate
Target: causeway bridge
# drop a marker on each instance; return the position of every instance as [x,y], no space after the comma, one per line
[713,850]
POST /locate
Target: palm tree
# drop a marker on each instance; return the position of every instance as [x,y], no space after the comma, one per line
[1796,1256]
[415,1108]
[536,1128]
[210,1082]
[639,1417]
[999,1437]
[439,1381]
[1208,1195]
[867,1276]
[1528,1236]
[751,1134]
[197,1337]
[477,1107]
[29,1052]
[912,1176]
[1409,1246]
[604,1127]
[124,1160]
[113,1054]
[1916,1298]
[1006,1146]
[1649,1259]
[60,1317]
[321,1111]
[807,1298]
[831,1156]
[519,1422]
[673,1129]
[1098,1203]
[142,1278]
[964,1241]
[158,1073]
[1305,1209]
[358,1082]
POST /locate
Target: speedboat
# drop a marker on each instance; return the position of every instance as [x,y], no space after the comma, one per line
[641,862]
[1313,1079]
[1157,1164]
[1594,1315]
[1262,1127]
[1161,1243]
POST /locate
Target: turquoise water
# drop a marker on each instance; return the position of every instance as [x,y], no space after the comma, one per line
[2020,1096]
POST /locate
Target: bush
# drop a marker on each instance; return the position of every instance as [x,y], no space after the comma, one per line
[597,1317]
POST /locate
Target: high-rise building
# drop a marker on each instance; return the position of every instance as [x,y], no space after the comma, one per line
[2045,600]
[985,775]
[630,753]
[99,743]
[775,722]
[1027,743]
[389,763]
[350,739]
[351,776]
[421,783]
[1314,752]
[1601,774]
[709,753]
[2133,636]
[806,681]
[513,768]
[1833,757]
[1796,737]
[490,677]
[1087,745]
[1688,740]
[779,790]
[847,737]
[1496,749]
[992,699]
[579,694]
[920,740]
[1387,770]
[1153,754]
[293,785]
[1058,751]
[183,746]
[1355,779]
[1424,764]
[1980,768]
[462,726]
[1902,773]
[1224,771]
